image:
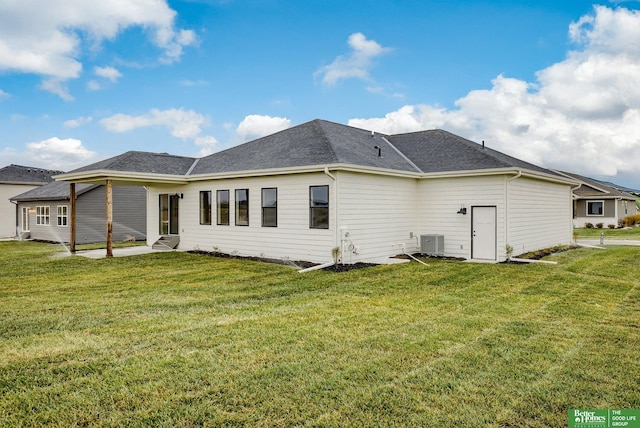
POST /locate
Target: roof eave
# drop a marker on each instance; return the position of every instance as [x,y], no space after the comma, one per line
[25,183]
[120,177]
[502,171]
[302,170]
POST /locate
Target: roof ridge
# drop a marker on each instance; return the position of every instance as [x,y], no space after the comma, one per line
[409,161]
[193,165]
[320,124]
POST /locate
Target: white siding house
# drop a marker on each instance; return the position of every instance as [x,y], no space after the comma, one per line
[14,180]
[299,193]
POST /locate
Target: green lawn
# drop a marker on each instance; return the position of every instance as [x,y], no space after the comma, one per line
[175,339]
[584,233]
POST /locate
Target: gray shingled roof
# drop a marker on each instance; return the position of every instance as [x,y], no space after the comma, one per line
[319,143]
[442,151]
[54,191]
[144,162]
[313,143]
[18,174]
[589,187]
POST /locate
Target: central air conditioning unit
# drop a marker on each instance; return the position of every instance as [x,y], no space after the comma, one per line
[432,245]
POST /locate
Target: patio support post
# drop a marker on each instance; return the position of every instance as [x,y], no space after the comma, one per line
[72,232]
[109,218]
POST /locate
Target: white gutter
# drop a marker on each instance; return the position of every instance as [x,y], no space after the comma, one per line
[317,267]
[100,176]
[515,259]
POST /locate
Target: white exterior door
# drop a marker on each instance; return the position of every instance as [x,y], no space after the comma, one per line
[483,238]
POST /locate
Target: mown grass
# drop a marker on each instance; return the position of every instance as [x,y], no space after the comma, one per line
[584,233]
[177,339]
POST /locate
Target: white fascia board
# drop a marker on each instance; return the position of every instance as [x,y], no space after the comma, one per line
[122,177]
[302,170]
[501,171]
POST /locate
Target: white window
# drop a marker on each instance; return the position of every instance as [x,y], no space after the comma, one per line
[595,208]
[25,219]
[63,215]
[42,216]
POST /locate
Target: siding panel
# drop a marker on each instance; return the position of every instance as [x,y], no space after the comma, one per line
[539,215]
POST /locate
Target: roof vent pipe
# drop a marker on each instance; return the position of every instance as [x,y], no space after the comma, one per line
[373,133]
[483,144]
[379,150]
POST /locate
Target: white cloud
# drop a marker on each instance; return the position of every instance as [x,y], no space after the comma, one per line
[94,85]
[207,143]
[77,122]
[582,114]
[108,72]
[57,87]
[356,64]
[256,126]
[183,124]
[45,36]
[56,153]
[190,83]
[3,94]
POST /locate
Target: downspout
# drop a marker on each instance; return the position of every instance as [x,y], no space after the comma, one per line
[506,206]
[336,238]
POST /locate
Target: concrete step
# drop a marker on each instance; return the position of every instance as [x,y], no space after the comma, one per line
[166,243]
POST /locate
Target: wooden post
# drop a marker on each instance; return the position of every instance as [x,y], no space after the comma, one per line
[72,232]
[109,219]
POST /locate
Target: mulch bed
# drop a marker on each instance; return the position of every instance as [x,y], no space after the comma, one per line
[298,264]
[539,254]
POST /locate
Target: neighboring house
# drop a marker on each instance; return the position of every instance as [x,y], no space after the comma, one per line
[16,179]
[596,202]
[304,191]
[45,213]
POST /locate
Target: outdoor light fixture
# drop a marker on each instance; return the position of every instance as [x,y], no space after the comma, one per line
[462,210]
[178,195]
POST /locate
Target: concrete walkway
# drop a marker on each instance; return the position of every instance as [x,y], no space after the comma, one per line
[596,242]
[118,252]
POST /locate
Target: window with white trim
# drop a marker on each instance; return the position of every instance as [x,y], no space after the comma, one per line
[25,219]
[205,207]
[42,216]
[319,207]
[242,207]
[270,207]
[595,208]
[63,215]
[222,210]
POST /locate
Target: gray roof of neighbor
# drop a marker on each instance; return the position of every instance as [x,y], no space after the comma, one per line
[320,142]
[590,187]
[18,174]
[54,191]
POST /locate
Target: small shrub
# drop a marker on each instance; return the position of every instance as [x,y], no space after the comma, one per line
[335,253]
[509,250]
[631,220]
[588,225]
[599,225]
[611,226]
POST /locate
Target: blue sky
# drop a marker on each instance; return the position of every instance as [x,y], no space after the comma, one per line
[552,82]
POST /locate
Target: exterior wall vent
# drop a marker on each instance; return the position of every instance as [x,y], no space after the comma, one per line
[432,245]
